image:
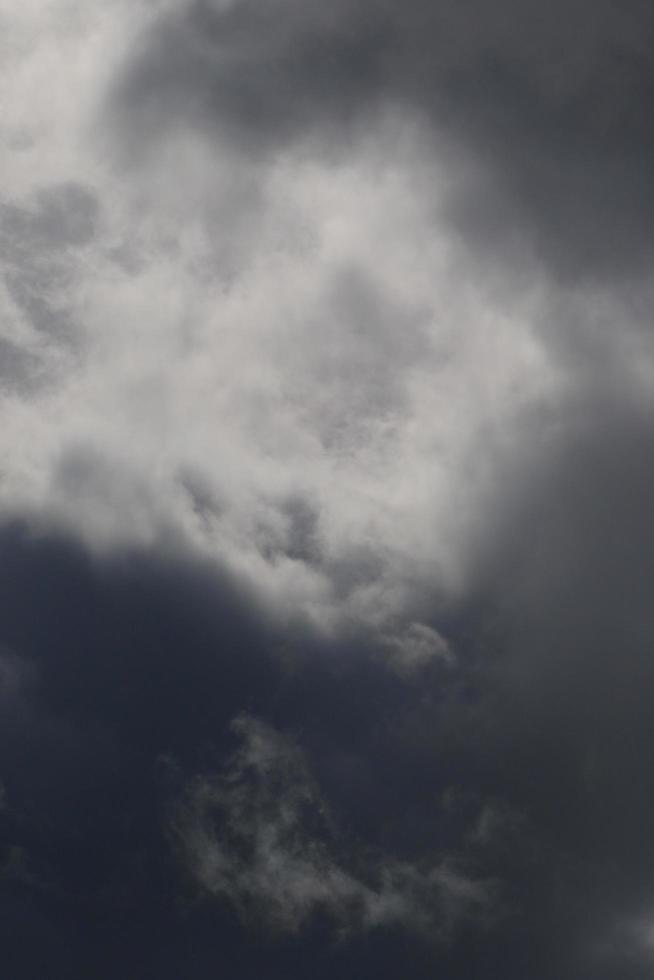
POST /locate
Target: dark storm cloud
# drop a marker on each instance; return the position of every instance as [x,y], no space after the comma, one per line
[120,677]
[106,668]
[501,809]
[548,103]
[567,679]
[119,680]
[469,795]
[577,593]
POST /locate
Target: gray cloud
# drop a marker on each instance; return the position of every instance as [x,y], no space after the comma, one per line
[259,837]
[61,216]
[326,388]
[41,240]
[551,103]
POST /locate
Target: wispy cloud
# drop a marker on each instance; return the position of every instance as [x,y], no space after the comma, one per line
[259,836]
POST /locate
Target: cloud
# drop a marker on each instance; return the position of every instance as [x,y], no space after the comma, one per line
[259,837]
[419,645]
[326,391]
[549,106]
[123,674]
[274,331]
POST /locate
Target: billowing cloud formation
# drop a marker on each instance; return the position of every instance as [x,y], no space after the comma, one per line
[326,381]
[270,357]
[551,99]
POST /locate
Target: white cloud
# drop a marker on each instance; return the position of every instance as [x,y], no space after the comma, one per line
[289,330]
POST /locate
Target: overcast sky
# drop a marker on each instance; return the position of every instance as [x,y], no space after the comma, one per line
[326,487]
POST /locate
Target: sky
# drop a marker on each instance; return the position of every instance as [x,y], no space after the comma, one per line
[326,481]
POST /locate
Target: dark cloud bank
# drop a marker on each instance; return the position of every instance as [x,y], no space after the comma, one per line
[188,788]
[549,100]
[192,787]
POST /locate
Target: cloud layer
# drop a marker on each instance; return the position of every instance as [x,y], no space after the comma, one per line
[326,380]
